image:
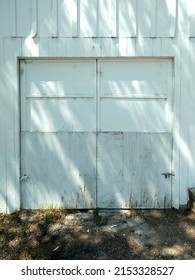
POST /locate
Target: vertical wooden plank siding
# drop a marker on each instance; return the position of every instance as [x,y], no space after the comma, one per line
[107,18]
[44,18]
[183,23]
[144,13]
[13,16]
[192,115]
[23,18]
[54,19]
[176,122]
[127,18]
[3,185]
[172,8]
[12,48]
[184,152]
[98,18]
[67,18]
[153,19]
[74,17]
[33,18]
[166,18]
[4,18]
[192,18]
[184,121]
[88,18]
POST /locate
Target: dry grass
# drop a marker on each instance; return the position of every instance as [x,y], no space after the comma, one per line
[61,234]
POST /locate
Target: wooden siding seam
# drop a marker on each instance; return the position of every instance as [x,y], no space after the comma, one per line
[153,19]
[33,14]
[13,18]
[54,19]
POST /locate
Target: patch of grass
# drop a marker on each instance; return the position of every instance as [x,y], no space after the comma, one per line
[47,218]
[98,219]
[24,225]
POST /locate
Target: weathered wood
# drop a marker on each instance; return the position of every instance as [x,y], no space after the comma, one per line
[122,158]
[166,18]
[34,23]
[58,170]
[100,29]
[23,18]
[12,49]
[84,18]
[67,18]
[53,108]
[3,152]
[13,18]
[192,19]
[127,23]
[5,18]
[107,18]
[54,19]
[88,18]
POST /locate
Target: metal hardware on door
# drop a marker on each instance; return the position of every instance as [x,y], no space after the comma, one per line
[168,174]
[24,178]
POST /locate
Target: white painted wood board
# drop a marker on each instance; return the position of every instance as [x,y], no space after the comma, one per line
[88,18]
[59,169]
[134,115]
[56,114]
[4,18]
[56,78]
[166,18]
[130,167]
[135,78]
[3,106]
[127,18]
[11,49]
[85,18]
[67,18]
[136,95]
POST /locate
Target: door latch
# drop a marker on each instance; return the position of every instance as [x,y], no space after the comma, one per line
[168,174]
[24,178]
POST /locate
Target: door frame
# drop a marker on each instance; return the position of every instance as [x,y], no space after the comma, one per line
[97,100]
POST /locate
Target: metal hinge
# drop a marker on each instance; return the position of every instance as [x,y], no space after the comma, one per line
[168,174]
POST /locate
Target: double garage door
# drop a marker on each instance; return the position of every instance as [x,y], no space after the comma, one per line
[96,133]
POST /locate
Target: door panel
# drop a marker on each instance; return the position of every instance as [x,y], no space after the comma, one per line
[139,77]
[96,127]
[135,141]
[134,115]
[60,114]
[60,170]
[130,167]
[47,78]
[58,138]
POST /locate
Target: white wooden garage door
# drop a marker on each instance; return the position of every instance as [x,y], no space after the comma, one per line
[96,133]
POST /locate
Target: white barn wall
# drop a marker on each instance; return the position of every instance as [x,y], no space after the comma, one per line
[73,28]
[86,18]
[191,116]
[10,123]
[2,136]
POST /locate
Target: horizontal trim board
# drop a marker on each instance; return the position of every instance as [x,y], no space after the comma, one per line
[164,97]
